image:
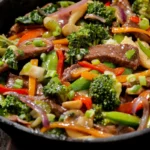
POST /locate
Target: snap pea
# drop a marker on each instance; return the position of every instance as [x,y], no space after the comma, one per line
[122,118]
[50,60]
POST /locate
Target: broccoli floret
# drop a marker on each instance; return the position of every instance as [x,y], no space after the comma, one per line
[10,57]
[98,8]
[55,88]
[37,16]
[11,105]
[142,7]
[97,113]
[79,42]
[105,90]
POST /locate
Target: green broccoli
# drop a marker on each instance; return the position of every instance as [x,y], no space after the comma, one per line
[10,57]
[105,90]
[55,88]
[11,105]
[106,12]
[80,41]
[37,16]
[142,7]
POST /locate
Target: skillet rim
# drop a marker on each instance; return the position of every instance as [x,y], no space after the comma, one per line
[122,137]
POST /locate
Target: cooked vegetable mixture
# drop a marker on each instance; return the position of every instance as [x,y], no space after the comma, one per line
[78,69]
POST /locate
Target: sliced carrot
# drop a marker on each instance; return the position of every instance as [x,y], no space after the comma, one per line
[86,130]
[15,36]
[61,41]
[129,29]
[32,81]
[31,34]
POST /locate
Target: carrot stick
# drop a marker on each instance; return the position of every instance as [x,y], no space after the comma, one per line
[82,129]
[31,34]
[129,29]
[61,41]
[15,36]
[32,81]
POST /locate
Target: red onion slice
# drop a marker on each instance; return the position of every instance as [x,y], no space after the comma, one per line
[31,104]
[67,10]
[95,17]
[144,118]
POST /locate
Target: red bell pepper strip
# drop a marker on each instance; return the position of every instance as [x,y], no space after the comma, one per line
[107,3]
[87,101]
[127,107]
[4,89]
[101,67]
[60,65]
[31,34]
[135,19]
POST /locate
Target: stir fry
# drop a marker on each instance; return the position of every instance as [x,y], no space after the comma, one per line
[78,69]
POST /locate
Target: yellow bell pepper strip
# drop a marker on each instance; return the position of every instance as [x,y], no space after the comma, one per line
[129,29]
[61,41]
[32,81]
[4,89]
[60,65]
[86,130]
[76,73]
[88,75]
[102,68]
[123,78]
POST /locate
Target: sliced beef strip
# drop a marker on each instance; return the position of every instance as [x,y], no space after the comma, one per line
[114,54]
[67,72]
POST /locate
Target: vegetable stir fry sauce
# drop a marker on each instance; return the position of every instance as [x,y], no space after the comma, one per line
[78,69]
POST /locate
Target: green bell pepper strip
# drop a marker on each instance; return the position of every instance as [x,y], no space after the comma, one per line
[80,84]
[50,60]
[122,118]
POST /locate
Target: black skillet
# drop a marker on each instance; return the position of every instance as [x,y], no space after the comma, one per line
[26,139]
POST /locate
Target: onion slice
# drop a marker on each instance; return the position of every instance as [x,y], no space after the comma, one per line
[67,10]
[144,118]
[31,104]
[95,17]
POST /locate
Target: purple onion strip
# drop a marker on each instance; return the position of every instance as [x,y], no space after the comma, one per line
[144,118]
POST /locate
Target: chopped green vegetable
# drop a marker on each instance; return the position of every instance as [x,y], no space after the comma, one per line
[135,89]
[145,49]
[142,80]
[18,83]
[144,23]
[39,43]
[122,118]
[130,53]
